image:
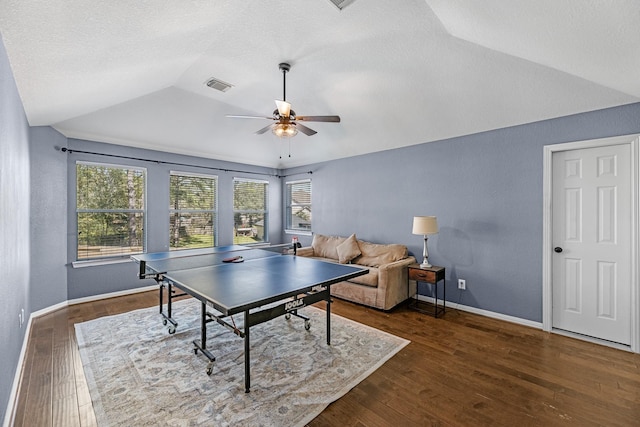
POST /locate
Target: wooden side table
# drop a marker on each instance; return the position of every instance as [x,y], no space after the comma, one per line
[433,275]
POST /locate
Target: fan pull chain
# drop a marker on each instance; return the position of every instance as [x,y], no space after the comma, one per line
[288,140]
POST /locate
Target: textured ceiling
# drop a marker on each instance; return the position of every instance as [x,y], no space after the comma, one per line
[397,72]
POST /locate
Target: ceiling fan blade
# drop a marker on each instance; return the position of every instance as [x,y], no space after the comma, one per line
[249,117]
[284,108]
[305,130]
[334,119]
[263,130]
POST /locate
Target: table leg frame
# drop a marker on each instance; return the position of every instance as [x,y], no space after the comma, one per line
[252,319]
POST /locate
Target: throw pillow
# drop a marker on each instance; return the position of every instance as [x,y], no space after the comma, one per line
[348,249]
[325,246]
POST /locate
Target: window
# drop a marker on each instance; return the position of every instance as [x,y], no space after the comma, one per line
[298,209]
[110,209]
[192,211]
[250,213]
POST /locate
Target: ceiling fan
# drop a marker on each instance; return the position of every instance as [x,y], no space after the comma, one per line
[286,121]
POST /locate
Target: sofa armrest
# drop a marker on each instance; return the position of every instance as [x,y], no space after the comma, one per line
[305,251]
[393,281]
[397,265]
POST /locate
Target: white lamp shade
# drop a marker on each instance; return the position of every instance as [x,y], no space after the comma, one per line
[425,225]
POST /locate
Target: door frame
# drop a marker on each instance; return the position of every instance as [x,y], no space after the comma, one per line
[547,239]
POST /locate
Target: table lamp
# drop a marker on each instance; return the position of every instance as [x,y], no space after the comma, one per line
[425,225]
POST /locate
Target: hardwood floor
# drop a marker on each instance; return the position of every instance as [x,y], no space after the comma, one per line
[462,370]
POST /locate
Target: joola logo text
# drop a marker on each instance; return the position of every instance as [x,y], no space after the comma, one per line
[293,304]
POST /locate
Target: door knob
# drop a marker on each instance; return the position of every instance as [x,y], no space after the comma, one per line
[557,249]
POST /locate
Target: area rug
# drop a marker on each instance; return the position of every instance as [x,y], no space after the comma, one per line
[139,375]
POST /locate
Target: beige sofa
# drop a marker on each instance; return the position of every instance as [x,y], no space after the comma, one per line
[383,287]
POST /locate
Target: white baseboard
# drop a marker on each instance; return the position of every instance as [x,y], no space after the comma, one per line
[112,295]
[492,314]
[48,310]
[9,417]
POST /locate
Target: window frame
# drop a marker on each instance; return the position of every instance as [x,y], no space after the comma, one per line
[288,209]
[115,258]
[214,212]
[264,213]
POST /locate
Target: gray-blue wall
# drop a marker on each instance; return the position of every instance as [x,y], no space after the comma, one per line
[14,227]
[48,215]
[485,189]
[95,280]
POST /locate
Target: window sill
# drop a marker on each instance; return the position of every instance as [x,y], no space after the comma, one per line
[299,232]
[98,262]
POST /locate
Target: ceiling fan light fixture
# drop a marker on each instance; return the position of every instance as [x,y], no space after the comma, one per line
[284,130]
[285,118]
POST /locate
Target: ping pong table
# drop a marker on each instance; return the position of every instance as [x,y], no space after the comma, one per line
[262,284]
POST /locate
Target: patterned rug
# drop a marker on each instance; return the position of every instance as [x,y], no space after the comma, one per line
[139,375]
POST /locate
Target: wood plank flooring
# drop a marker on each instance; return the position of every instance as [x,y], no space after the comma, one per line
[459,370]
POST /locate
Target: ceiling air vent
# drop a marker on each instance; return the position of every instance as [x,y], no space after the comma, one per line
[341,4]
[218,85]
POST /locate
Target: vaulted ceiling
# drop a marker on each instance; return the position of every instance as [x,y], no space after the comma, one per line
[397,72]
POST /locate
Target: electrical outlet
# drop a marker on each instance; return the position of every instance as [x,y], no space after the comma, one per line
[21,317]
[462,284]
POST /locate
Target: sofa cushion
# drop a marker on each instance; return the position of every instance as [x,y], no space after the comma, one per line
[325,246]
[375,255]
[369,279]
[348,249]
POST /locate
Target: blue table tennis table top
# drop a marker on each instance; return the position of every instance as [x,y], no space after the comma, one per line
[263,277]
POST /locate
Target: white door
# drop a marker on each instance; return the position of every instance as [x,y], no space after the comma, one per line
[592,223]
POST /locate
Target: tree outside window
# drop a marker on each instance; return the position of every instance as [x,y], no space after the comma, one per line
[250,212]
[110,210]
[298,206]
[192,211]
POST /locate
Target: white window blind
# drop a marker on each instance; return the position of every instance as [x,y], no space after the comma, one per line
[192,210]
[110,210]
[298,206]
[250,211]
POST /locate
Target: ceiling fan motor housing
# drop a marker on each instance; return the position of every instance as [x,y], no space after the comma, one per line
[277,116]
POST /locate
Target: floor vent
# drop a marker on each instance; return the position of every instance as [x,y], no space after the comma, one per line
[218,85]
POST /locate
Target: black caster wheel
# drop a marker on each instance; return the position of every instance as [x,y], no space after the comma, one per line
[307,325]
[172,331]
[287,316]
[164,322]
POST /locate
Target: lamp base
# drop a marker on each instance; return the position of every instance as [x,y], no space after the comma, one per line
[425,265]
